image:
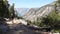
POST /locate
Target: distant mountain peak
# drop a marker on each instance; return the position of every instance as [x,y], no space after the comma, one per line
[22,11]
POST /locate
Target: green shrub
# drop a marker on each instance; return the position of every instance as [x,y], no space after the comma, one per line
[52,20]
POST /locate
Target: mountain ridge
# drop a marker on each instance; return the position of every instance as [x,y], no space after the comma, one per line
[33,14]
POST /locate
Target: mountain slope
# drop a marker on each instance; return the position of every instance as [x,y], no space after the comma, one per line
[33,13]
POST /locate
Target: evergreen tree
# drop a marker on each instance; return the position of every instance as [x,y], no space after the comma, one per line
[11,10]
[4,12]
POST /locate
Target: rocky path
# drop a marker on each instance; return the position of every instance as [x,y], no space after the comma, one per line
[14,28]
[17,29]
[20,29]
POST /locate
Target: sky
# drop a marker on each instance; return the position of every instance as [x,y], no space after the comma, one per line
[29,3]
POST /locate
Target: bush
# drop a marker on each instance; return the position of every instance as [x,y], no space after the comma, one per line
[52,20]
[38,22]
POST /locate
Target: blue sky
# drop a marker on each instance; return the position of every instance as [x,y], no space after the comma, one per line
[29,3]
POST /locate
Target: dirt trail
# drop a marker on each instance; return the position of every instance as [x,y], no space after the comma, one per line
[20,29]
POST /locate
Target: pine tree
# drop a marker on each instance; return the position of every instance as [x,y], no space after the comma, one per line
[12,11]
[4,12]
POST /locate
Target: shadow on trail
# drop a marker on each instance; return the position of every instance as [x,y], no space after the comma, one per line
[21,29]
[3,26]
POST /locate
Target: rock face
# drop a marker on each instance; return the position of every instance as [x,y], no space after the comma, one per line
[33,13]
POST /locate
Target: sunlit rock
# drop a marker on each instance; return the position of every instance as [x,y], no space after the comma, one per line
[17,21]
